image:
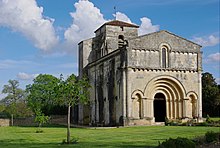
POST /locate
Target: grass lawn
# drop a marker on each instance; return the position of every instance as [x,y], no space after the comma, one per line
[215,118]
[143,136]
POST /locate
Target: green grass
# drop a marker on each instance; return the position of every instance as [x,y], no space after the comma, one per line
[215,118]
[143,136]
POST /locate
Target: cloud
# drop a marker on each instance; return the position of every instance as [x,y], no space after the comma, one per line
[86,19]
[122,17]
[25,76]
[217,80]
[147,26]
[214,57]
[9,64]
[207,40]
[26,17]
[68,65]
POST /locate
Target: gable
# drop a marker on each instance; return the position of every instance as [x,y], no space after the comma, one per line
[154,40]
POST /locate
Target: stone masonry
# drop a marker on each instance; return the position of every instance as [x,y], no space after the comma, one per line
[139,80]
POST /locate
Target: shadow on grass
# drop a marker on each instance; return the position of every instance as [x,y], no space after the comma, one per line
[23,143]
[46,125]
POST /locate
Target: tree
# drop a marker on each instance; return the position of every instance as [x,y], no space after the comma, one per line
[14,94]
[41,92]
[211,95]
[71,92]
[41,95]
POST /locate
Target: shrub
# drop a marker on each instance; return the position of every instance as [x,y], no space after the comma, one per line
[177,143]
[208,119]
[39,131]
[199,140]
[211,137]
[74,140]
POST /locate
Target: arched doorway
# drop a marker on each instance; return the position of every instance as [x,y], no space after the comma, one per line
[159,107]
[137,109]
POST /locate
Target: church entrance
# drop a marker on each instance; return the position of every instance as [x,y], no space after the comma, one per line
[159,107]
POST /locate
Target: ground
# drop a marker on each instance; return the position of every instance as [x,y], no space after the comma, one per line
[141,136]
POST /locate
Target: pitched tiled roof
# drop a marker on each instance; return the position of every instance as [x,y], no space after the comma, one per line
[120,23]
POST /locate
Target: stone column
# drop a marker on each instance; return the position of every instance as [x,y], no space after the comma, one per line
[200,96]
[171,109]
[128,93]
[124,98]
[185,107]
[149,110]
[167,109]
[145,107]
[176,104]
[180,108]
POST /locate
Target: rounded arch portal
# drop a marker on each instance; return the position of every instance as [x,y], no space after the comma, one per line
[172,92]
[159,107]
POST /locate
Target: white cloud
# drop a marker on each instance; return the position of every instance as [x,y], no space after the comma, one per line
[122,17]
[207,40]
[147,26]
[9,64]
[26,17]
[86,19]
[217,80]
[214,57]
[26,76]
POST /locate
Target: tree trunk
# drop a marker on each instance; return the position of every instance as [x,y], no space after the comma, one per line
[68,125]
[12,120]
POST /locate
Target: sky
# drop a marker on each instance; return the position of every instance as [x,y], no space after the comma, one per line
[41,36]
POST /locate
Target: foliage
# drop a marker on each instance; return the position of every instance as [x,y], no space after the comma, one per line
[209,137]
[13,92]
[177,143]
[74,140]
[2,107]
[212,136]
[47,91]
[41,118]
[14,95]
[19,109]
[41,93]
[71,92]
[211,95]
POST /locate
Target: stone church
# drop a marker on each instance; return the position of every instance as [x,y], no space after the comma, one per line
[139,80]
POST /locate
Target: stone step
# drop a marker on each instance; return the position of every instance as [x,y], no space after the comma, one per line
[159,123]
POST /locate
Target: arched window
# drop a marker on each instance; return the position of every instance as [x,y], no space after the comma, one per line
[193,105]
[120,41]
[137,109]
[164,57]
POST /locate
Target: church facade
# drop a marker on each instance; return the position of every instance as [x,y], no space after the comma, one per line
[139,80]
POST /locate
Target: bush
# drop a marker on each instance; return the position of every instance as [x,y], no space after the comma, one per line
[177,143]
[39,131]
[208,119]
[199,140]
[74,140]
[212,137]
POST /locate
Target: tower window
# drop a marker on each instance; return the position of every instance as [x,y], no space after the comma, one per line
[164,57]
[120,41]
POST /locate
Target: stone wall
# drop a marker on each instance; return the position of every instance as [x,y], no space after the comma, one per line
[55,119]
[4,122]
